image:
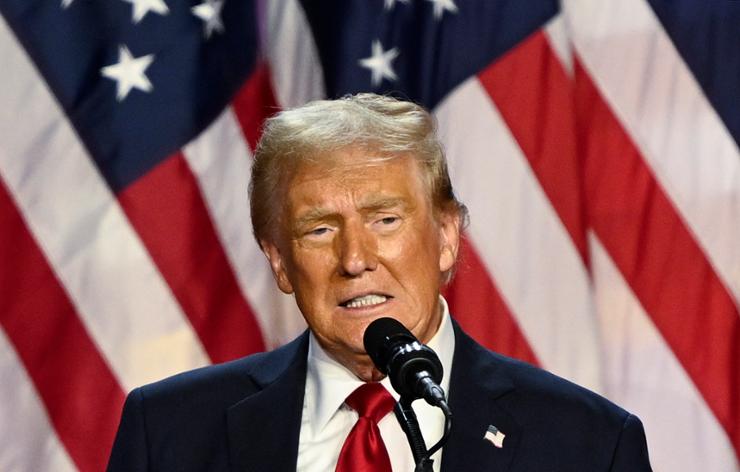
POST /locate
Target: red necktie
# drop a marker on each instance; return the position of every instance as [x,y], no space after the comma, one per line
[364,450]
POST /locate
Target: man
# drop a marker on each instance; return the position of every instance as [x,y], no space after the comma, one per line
[353,207]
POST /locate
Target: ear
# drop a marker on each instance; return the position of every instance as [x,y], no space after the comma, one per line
[449,239]
[272,252]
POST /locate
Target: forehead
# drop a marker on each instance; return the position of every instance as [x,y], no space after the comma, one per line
[354,174]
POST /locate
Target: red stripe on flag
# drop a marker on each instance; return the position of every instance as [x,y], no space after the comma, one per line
[78,389]
[534,96]
[254,102]
[659,258]
[167,210]
[477,305]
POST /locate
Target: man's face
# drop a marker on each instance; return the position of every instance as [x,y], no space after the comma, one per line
[359,240]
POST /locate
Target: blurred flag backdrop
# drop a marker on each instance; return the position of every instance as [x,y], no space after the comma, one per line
[595,142]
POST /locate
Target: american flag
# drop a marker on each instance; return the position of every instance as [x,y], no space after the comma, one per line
[595,143]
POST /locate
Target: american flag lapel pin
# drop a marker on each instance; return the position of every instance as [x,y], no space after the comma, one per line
[495,436]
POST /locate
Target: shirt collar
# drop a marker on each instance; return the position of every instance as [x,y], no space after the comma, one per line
[329,383]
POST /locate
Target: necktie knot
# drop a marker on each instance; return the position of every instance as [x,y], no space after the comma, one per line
[364,450]
[371,401]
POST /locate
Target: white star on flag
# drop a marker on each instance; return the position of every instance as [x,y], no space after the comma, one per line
[379,63]
[389,4]
[142,7]
[210,12]
[440,6]
[495,436]
[129,72]
[66,3]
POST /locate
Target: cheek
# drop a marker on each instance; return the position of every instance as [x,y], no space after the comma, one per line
[311,266]
[415,255]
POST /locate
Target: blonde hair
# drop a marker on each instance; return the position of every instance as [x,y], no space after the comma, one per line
[314,131]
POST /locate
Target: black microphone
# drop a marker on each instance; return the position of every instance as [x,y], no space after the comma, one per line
[414,369]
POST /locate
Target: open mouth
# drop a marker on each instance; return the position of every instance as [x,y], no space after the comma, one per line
[371,299]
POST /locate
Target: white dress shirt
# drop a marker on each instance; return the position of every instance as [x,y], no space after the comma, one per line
[326,420]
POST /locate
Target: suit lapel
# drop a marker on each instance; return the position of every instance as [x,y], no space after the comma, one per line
[264,428]
[476,386]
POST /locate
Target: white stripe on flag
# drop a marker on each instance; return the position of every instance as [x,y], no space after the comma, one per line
[292,54]
[643,375]
[27,439]
[519,235]
[557,35]
[121,298]
[220,160]
[658,101]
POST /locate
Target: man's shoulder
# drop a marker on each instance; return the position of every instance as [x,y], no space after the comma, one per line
[181,422]
[536,386]
[225,382]
[564,426]
[535,390]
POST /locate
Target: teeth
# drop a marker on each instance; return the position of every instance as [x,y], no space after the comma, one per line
[367,300]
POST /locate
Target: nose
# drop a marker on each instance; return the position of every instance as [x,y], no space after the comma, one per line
[358,249]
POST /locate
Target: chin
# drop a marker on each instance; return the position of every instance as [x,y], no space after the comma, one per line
[365,370]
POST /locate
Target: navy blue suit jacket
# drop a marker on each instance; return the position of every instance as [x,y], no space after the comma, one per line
[246,415]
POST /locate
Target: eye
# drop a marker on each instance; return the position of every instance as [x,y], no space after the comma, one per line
[321,230]
[320,234]
[385,223]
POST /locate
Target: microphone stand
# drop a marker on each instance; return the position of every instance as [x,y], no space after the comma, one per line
[410,425]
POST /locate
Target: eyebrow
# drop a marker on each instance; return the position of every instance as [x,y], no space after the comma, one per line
[383,203]
[314,214]
[371,204]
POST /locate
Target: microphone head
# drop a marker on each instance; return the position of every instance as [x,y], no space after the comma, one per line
[397,353]
[381,336]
